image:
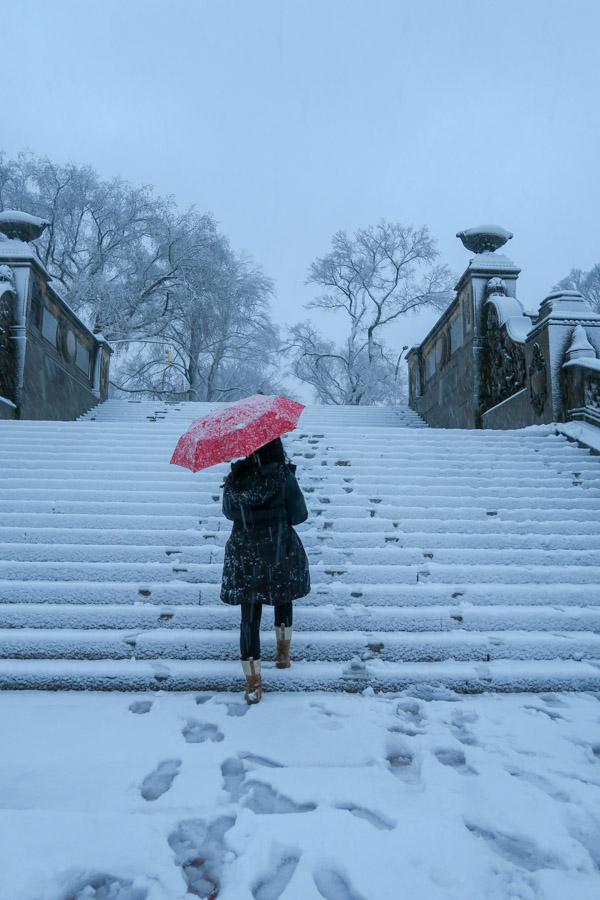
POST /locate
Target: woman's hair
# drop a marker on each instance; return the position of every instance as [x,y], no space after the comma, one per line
[253,464]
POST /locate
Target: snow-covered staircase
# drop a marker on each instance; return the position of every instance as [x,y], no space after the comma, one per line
[468,558]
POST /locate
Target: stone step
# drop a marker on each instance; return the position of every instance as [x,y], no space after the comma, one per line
[326,467]
[560,594]
[356,439]
[478,551]
[321,574]
[200,675]
[170,540]
[325,617]
[309,646]
[391,553]
[339,495]
[177,479]
[548,508]
[467,521]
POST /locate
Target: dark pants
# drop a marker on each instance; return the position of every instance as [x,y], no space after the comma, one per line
[250,626]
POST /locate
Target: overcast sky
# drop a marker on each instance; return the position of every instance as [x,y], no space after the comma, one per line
[290,119]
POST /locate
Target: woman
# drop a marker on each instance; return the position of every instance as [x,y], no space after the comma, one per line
[265,561]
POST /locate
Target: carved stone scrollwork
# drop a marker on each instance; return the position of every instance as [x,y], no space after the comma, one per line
[592,390]
[495,285]
[503,365]
[7,279]
[538,380]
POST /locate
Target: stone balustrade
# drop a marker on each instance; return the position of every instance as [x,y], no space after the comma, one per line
[51,365]
[488,364]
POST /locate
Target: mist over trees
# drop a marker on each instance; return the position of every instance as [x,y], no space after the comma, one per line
[188,316]
[587,283]
[370,279]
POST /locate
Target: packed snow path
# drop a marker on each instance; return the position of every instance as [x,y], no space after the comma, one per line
[425,794]
[468,558]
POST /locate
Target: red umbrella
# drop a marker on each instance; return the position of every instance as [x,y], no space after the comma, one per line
[234,430]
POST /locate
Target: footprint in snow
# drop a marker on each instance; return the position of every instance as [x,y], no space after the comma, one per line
[448,756]
[410,714]
[551,713]
[264,800]
[517,849]
[272,885]
[255,760]
[202,698]
[261,798]
[401,763]
[201,852]
[544,784]
[235,707]
[587,833]
[330,715]
[139,707]
[198,732]
[333,886]
[233,771]
[160,779]
[399,759]
[101,886]
[458,726]
[552,700]
[406,730]
[373,818]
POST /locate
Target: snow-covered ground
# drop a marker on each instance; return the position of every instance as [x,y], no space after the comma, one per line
[424,795]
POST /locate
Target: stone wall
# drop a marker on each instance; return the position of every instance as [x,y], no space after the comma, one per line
[61,359]
[444,368]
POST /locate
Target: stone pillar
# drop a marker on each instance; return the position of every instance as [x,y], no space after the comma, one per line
[58,367]
[8,299]
[549,340]
[581,379]
[17,258]
[413,358]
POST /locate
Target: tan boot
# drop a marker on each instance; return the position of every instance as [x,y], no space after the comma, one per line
[283,634]
[251,669]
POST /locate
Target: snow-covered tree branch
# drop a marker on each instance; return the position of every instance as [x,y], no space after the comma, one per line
[587,283]
[372,278]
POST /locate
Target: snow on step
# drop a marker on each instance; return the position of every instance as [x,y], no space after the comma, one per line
[186,675]
[468,558]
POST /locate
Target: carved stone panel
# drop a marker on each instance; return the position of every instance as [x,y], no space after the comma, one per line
[503,367]
[7,365]
[466,300]
[592,390]
[538,380]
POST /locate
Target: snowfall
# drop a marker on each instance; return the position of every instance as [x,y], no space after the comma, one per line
[423,795]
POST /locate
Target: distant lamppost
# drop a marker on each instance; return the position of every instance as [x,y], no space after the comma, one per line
[399,360]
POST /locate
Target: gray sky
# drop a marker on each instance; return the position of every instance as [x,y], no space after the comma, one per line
[290,119]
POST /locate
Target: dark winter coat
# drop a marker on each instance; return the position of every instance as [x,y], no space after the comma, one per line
[265,561]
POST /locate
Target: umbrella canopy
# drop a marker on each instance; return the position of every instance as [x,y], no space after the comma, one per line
[234,430]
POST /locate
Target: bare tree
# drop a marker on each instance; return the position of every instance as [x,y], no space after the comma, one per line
[345,375]
[587,283]
[187,315]
[217,341]
[373,277]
